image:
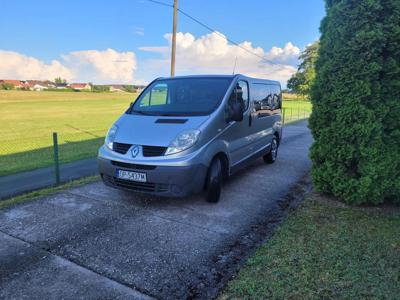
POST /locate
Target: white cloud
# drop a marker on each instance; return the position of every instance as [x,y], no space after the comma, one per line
[139,31]
[160,49]
[108,66]
[287,55]
[212,53]
[14,65]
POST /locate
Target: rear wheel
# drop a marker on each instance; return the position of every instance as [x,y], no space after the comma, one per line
[270,158]
[214,181]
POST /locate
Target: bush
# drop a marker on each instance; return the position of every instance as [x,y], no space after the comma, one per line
[100,88]
[60,90]
[356,102]
[6,86]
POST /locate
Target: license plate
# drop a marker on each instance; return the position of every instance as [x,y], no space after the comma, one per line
[133,176]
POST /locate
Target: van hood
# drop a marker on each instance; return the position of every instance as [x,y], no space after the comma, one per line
[154,130]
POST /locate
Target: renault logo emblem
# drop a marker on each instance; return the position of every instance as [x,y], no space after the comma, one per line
[135,151]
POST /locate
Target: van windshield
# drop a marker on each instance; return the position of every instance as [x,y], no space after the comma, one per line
[181,97]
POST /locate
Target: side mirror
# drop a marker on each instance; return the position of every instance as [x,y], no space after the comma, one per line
[235,111]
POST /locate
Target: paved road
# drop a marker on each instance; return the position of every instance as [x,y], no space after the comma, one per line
[19,183]
[94,242]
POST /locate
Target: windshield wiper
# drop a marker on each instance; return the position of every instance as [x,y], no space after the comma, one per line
[140,112]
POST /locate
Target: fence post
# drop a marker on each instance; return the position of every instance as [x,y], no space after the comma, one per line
[56,161]
[283,117]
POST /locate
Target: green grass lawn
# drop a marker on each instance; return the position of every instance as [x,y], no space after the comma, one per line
[81,120]
[295,107]
[326,250]
[28,119]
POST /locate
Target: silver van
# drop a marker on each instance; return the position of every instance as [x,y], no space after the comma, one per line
[187,134]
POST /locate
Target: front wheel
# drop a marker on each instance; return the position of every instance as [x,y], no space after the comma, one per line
[270,158]
[214,181]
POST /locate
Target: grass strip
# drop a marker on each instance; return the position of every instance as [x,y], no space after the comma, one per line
[326,250]
[46,191]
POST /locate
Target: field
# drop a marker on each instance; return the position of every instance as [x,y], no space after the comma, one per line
[81,120]
[28,120]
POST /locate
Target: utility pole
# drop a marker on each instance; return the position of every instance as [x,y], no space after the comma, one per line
[173,52]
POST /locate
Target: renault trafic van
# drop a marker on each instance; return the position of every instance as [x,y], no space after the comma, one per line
[186,134]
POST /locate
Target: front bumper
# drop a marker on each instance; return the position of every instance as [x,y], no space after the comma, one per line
[169,181]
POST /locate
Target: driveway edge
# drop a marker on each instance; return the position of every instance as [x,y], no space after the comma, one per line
[229,261]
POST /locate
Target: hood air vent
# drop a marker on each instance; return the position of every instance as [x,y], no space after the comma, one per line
[171,121]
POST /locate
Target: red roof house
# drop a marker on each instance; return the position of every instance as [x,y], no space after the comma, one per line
[79,86]
[15,83]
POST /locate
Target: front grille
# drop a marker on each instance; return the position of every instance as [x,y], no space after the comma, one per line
[121,147]
[140,186]
[132,166]
[148,151]
[154,150]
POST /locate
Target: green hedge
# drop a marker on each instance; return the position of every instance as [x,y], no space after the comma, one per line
[356,102]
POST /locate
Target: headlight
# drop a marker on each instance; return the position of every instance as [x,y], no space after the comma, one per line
[110,137]
[183,141]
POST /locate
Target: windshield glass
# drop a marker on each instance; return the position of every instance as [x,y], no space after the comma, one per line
[182,97]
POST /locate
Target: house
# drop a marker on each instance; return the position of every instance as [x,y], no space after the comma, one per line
[16,83]
[79,86]
[117,88]
[61,86]
[39,85]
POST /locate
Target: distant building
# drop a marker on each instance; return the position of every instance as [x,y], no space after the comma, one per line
[117,88]
[61,86]
[79,86]
[16,83]
[39,85]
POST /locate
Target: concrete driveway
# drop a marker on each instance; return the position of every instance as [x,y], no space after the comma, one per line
[93,242]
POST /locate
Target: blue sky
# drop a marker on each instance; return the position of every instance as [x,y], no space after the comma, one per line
[45,30]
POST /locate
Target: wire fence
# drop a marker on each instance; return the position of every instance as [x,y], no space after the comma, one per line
[71,144]
[294,114]
[25,154]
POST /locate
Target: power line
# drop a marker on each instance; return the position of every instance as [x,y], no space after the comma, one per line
[211,29]
[222,35]
[161,3]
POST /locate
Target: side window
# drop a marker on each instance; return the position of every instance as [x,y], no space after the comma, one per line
[270,97]
[279,95]
[157,96]
[243,93]
[266,98]
[276,95]
[240,94]
[257,96]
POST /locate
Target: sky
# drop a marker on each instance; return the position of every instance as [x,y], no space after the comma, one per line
[128,41]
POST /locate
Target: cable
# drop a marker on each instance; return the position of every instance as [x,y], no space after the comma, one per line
[212,30]
[161,3]
[222,35]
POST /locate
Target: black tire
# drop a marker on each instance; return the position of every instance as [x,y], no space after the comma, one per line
[270,158]
[214,181]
